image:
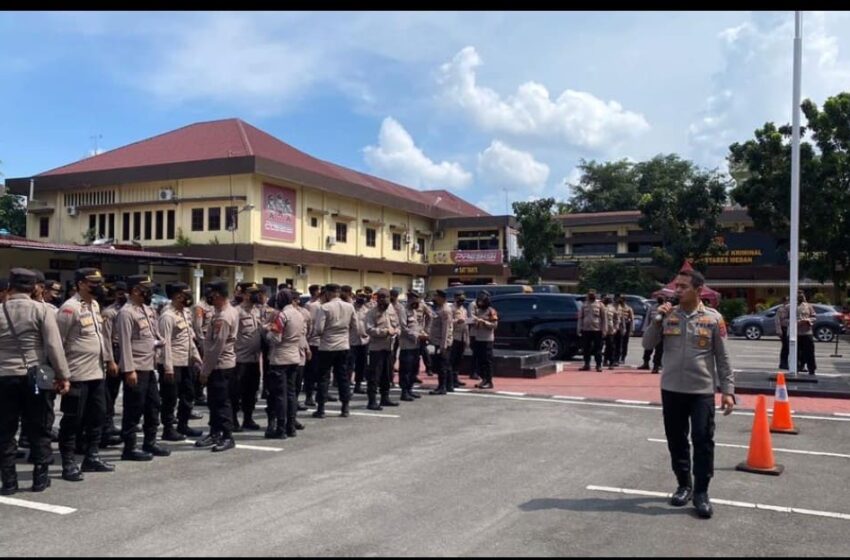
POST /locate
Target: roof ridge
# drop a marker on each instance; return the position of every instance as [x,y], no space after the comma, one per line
[245,141]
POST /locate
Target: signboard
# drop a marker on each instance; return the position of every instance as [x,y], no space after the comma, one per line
[67,264]
[466,257]
[279,213]
[748,248]
[465,270]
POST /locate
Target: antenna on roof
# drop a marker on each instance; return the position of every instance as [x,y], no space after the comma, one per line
[94,138]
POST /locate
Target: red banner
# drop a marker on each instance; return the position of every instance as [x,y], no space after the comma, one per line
[279,213]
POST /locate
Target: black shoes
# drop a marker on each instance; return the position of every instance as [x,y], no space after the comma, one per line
[644,366]
[387,402]
[584,368]
[417,381]
[415,395]
[195,416]
[93,463]
[10,481]
[135,455]
[298,425]
[344,412]
[703,505]
[655,370]
[40,480]
[301,407]
[309,402]
[170,434]
[407,397]
[331,399]
[208,440]
[249,424]
[187,431]
[224,445]
[460,384]
[599,368]
[374,406]
[319,414]
[110,440]
[485,385]
[71,471]
[681,496]
[437,392]
[291,431]
[156,450]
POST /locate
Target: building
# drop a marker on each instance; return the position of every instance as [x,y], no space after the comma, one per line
[241,204]
[754,267]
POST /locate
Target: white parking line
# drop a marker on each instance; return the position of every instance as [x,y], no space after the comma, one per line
[512,393]
[747,505]
[376,415]
[239,445]
[847,414]
[797,451]
[568,397]
[59,510]
[625,401]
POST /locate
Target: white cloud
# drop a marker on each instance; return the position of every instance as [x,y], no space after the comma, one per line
[576,117]
[398,158]
[504,167]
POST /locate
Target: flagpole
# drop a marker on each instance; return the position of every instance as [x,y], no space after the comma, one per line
[795,195]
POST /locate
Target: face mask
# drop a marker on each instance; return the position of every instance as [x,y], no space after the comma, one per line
[414,305]
[209,298]
[360,301]
[121,300]
[148,297]
[383,305]
[187,300]
[97,291]
[591,298]
[483,303]
[239,298]
[255,298]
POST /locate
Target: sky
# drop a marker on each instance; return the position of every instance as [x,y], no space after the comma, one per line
[493,106]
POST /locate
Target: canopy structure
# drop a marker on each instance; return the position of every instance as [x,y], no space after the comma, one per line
[705,293]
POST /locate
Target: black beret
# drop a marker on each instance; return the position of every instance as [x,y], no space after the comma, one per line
[249,286]
[441,293]
[414,293]
[460,294]
[119,286]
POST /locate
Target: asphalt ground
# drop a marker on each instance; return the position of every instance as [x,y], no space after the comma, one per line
[466,474]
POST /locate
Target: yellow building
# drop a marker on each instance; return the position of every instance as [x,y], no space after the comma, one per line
[226,193]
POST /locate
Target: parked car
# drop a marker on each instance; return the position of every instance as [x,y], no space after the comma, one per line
[638,304]
[828,323]
[545,288]
[538,321]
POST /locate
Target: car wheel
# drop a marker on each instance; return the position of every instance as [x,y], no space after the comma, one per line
[550,344]
[824,334]
[752,332]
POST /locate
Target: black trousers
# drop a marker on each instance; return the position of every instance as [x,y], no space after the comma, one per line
[218,401]
[483,349]
[358,358]
[244,396]
[394,358]
[624,344]
[18,402]
[113,387]
[458,346]
[333,361]
[141,400]
[806,357]
[592,345]
[690,414]
[282,404]
[426,357]
[610,343]
[299,380]
[179,393]
[83,411]
[475,374]
[311,373]
[408,367]
[438,366]
[656,359]
[783,352]
[378,376]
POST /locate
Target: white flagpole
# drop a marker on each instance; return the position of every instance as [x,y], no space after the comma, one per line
[794,255]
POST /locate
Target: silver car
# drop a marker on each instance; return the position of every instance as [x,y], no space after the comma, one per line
[828,323]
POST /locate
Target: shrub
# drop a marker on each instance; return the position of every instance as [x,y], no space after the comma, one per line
[731,308]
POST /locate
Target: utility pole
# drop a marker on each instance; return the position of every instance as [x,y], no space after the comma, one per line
[794,255]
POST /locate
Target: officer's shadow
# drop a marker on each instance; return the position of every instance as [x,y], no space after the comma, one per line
[641,506]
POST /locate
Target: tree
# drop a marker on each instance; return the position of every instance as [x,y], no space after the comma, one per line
[538,231]
[605,187]
[13,215]
[610,276]
[682,204]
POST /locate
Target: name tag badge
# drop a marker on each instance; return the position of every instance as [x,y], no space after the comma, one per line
[143,324]
[86,321]
[703,342]
[181,324]
[672,331]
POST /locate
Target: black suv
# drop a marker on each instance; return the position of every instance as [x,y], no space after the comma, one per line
[538,321]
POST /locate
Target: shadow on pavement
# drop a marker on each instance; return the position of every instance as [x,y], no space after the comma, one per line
[642,506]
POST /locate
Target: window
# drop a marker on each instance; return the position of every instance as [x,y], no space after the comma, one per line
[371,237]
[560,305]
[160,227]
[214,219]
[594,248]
[93,222]
[101,225]
[148,233]
[169,228]
[197,219]
[516,306]
[231,218]
[137,225]
[44,226]
[111,231]
[478,240]
[396,242]
[314,221]
[341,232]
[420,245]
[125,226]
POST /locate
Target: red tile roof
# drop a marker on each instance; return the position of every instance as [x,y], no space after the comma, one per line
[235,138]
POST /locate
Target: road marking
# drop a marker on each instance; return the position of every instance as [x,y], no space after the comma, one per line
[512,393]
[625,401]
[361,413]
[746,505]
[59,510]
[567,397]
[619,405]
[847,414]
[239,445]
[797,451]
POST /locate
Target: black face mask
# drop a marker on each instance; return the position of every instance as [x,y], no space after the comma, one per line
[383,305]
[483,303]
[239,298]
[591,298]
[414,305]
[187,300]
[121,300]
[97,291]
[360,301]
[209,298]
[255,298]
[148,297]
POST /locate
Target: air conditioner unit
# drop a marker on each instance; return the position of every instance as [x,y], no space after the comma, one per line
[331,240]
[407,238]
[71,210]
[440,234]
[301,270]
[166,194]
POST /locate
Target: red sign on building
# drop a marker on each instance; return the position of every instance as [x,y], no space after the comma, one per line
[279,213]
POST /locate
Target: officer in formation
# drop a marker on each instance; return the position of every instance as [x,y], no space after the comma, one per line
[627,319]
[311,369]
[398,307]
[360,344]
[201,318]
[695,341]
[382,326]
[482,324]
[111,435]
[612,328]
[413,333]
[592,328]
[783,314]
[460,336]
[246,382]
[440,335]
[286,333]
[656,353]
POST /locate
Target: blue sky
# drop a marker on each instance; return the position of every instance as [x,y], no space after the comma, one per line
[483,104]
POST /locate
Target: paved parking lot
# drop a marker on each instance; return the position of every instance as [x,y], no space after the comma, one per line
[463,474]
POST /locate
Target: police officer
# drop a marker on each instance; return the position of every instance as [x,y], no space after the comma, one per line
[359,344]
[179,355]
[52,293]
[311,369]
[428,316]
[87,352]
[219,366]
[248,347]
[308,327]
[382,326]
[138,339]
[460,336]
[484,321]
[336,319]
[440,335]
[613,326]
[398,307]
[627,319]
[781,318]
[111,435]
[35,340]
[412,324]
[805,321]
[695,341]
[659,348]
[202,315]
[285,332]
[592,326]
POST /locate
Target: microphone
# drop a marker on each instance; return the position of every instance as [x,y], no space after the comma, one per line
[660,316]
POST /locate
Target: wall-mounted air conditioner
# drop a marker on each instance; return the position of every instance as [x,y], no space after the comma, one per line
[71,210]
[331,240]
[166,194]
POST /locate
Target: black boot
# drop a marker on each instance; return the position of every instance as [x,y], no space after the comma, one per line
[170,434]
[183,428]
[40,480]
[248,423]
[110,440]
[358,388]
[271,428]
[385,401]
[331,398]
[208,440]
[93,463]
[225,444]
[10,480]
[703,505]
[344,412]
[298,425]
[133,453]
[644,365]
[155,449]
[291,431]
[406,396]
[308,400]
[373,403]
[320,411]
[683,492]
[71,470]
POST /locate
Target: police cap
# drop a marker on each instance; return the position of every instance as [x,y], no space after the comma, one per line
[142,280]
[22,278]
[172,290]
[90,274]
[217,285]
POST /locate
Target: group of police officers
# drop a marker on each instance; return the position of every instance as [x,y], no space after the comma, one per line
[164,358]
[609,321]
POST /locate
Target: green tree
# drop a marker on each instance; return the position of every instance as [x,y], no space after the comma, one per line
[605,187]
[682,204]
[13,215]
[538,231]
[610,276]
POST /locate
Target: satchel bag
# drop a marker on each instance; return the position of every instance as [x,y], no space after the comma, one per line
[41,376]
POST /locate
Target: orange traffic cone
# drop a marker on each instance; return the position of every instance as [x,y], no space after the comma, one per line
[781,422]
[760,456]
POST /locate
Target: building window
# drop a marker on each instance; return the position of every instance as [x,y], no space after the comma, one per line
[93,223]
[125,226]
[420,245]
[44,226]
[231,218]
[111,221]
[341,232]
[148,225]
[478,240]
[137,225]
[214,219]
[169,228]
[371,237]
[396,242]
[160,227]
[314,221]
[594,248]
[197,219]
[101,225]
